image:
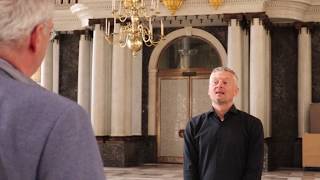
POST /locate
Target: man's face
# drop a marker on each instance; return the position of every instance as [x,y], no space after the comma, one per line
[222,87]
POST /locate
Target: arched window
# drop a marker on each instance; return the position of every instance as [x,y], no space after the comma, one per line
[188,52]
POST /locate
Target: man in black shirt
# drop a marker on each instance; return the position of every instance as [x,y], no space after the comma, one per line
[223,143]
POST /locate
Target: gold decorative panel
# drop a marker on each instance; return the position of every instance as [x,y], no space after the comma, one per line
[216,3]
[172,5]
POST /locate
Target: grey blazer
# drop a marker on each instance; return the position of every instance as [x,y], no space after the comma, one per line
[43,136]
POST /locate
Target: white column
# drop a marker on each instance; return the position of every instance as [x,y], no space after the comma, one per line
[245,69]
[136,97]
[304,79]
[268,86]
[152,102]
[235,56]
[55,65]
[84,73]
[47,68]
[121,90]
[258,81]
[98,85]
[108,92]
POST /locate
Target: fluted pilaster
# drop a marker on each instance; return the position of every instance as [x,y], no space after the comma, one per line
[304,79]
[98,84]
[84,72]
[258,73]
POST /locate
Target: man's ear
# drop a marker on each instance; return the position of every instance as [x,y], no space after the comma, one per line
[36,38]
[236,91]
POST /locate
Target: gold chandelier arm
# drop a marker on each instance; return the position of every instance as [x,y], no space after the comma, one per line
[155,42]
[122,18]
[123,36]
[151,42]
[123,43]
[134,30]
[142,12]
[148,44]
[146,36]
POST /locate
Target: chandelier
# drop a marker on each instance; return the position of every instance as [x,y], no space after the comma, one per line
[216,3]
[135,24]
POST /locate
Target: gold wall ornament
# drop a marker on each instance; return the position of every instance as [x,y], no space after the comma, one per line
[132,22]
[216,3]
[172,5]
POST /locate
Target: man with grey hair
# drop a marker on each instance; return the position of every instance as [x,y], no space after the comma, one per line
[42,135]
[223,143]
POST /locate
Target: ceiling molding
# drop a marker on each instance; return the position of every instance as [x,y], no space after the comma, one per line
[296,10]
[64,20]
[70,15]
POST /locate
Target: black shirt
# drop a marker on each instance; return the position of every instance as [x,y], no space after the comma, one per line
[223,150]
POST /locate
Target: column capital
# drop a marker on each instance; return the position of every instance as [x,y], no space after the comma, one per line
[308,25]
[56,36]
[263,19]
[101,21]
[238,16]
[87,32]
[241,20]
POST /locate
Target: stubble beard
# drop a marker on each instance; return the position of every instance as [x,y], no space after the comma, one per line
[219,101]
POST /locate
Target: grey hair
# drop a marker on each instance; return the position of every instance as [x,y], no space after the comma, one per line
[226,69]
[19,17]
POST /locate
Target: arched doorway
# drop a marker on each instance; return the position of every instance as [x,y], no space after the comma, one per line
[178,86]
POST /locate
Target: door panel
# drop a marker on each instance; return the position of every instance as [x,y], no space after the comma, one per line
[200,99]
[180,99]
[173,115]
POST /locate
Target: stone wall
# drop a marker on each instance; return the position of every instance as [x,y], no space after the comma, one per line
[316,64]
[285,148]
[68,65]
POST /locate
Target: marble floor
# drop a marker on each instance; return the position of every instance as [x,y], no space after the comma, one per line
[174,172]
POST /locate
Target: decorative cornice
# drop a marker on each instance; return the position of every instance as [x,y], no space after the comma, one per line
[237,16]
[288,10]
[71,16]
[64,4]
[312,14]
[64,20]
[86,10]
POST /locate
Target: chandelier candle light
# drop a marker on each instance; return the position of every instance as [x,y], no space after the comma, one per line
[135,27]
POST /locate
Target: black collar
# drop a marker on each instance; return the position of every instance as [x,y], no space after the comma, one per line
[232,110]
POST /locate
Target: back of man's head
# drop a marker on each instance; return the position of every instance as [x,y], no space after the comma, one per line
[19,17]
